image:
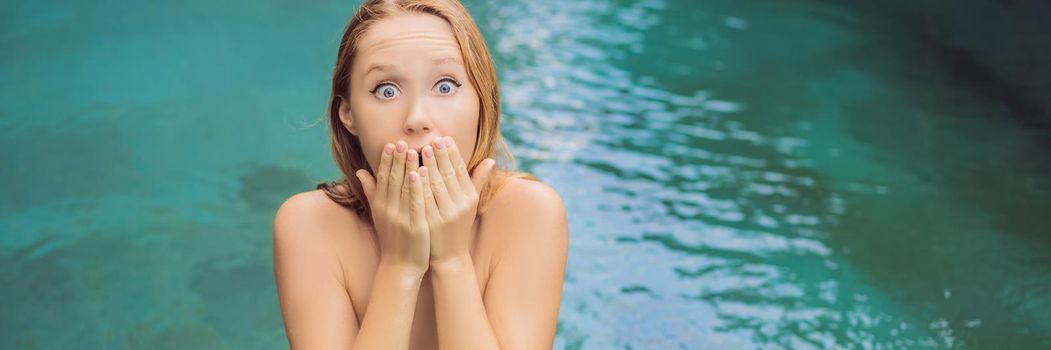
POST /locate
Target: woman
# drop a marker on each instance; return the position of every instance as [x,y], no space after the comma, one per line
[424,243]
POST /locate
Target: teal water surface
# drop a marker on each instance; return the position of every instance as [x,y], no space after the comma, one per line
[767,174]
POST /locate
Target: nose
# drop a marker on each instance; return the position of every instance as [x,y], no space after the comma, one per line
[418,122]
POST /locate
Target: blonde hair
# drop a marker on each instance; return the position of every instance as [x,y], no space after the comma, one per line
[346,148]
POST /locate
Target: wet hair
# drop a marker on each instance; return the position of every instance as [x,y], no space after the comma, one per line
[346,147]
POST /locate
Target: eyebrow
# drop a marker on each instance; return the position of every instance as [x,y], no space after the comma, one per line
[389,67]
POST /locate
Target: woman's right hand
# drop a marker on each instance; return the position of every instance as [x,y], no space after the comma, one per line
[395,196]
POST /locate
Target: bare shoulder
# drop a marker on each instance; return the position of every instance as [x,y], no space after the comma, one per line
[309,274]
[519,194]
[312,218]
[524,203]
[310,209]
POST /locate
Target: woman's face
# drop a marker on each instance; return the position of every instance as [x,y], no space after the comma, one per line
[409,82]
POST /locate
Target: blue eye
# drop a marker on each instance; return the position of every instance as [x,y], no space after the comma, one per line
[385,91]
[447,86]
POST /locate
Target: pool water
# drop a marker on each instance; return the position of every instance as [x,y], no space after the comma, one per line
[767,174]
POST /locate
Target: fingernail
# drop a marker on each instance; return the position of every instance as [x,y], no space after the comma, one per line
[428,152]
[440,144]
[402,146]
[448,141]
[412,177]
[412,155]
[388,149]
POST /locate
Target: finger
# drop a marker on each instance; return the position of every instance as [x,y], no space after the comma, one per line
[445,166]
[412,161]
[463,178]
[428,197]
[482,173]
[417,211]
[406,191]
[367,182]
[397,176]
[428,158]
[383,174]
[441,194]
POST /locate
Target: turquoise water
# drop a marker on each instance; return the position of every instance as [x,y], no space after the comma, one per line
[770,174]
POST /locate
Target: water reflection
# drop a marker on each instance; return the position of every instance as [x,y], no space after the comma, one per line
[689,221]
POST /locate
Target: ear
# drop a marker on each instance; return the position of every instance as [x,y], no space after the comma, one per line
[346,117]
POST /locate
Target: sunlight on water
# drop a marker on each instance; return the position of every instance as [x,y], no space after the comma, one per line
[702,230]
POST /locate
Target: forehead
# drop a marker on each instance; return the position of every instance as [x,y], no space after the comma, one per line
[406,35]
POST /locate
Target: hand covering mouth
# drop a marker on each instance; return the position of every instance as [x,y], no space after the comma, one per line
[419,155]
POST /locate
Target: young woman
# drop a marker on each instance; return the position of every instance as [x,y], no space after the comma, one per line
[424,243]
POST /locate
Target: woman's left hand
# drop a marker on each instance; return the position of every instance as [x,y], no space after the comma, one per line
[451,198]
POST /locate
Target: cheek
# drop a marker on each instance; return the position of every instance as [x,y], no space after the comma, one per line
[464,123]
[463,108]
[372,155]
[456,115]
[374,130]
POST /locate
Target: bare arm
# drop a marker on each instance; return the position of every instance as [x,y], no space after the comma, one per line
[316,308]
[458,309]
[520,307]
[392,306]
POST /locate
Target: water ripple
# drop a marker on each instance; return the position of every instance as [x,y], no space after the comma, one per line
[719,221]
